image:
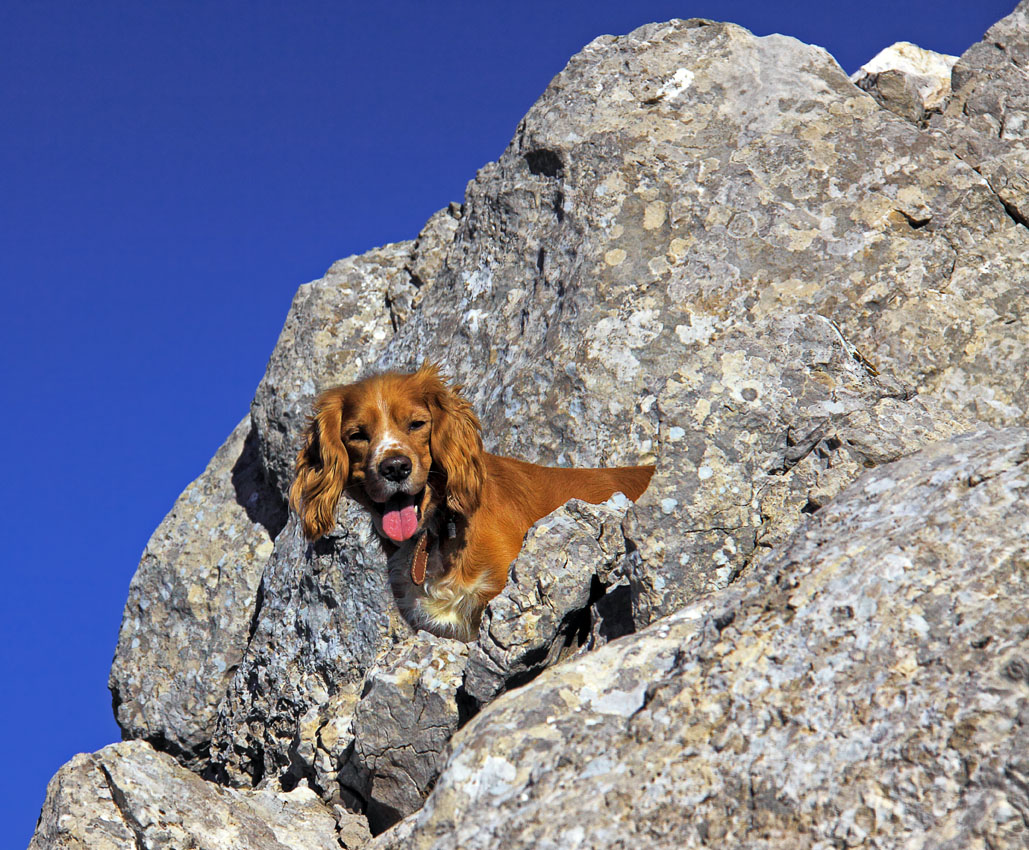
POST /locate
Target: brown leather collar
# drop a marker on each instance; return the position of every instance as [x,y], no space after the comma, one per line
[421,559]
[421,549]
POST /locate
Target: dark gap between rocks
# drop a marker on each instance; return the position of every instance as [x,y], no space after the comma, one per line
[467,706]
[297,770]
[544,162]
[388,304]
[1013,213]
[187,758]
[256,615]
[254,493]
[614,613]
[578,624]
[381,817]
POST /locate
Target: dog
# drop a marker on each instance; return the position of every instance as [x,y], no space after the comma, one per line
[450,516]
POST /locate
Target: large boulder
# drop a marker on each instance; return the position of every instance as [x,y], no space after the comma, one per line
[403,724]
[712,251]
[325,614]
[191,601]
[986,122]
[129,797]
[867,684]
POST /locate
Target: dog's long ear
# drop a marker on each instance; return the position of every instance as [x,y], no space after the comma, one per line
[322,466]
[456,442]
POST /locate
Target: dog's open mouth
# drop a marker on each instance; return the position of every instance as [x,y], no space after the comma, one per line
[400,515]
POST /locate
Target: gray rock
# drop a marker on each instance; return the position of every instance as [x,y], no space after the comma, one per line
[190,602]
[402,726]
[704,248]
[907,80]
[866,684]
[129,797]
[325,614]
[712,201]
[425,263]
[325,746]
[568,591]
[744,467]
[375,745]
[334,326]
[987,120]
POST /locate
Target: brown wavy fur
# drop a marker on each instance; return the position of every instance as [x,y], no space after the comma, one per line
[322,467]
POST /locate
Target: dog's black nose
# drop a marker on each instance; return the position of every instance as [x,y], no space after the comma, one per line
[395,468]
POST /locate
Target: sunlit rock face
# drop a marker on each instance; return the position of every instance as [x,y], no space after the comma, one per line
[907,80]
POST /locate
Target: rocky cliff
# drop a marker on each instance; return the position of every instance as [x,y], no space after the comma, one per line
[807,301]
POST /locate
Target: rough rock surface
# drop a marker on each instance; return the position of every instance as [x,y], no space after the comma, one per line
[192,604]
[129,797]
[907,80]
[736,263]
[567,590]
[867,684]
[325,747]
[191,601]
[325,613]
[723,247]
[331,326]
[402,726]
[987,120]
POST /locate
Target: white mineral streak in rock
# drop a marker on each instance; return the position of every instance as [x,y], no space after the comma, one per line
[700,329]
[614,340]
[479,282]
[681,80]
[622,703]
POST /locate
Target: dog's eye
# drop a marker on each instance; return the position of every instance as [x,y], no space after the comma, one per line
[416,424]
[358,436]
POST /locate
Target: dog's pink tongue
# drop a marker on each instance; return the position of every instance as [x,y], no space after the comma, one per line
[400,523]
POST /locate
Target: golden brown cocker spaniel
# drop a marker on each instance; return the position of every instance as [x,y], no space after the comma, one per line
[451,517]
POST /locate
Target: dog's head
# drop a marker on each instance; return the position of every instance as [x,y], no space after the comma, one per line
[399,444]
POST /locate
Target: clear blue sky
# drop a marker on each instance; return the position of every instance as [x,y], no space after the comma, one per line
[169,174]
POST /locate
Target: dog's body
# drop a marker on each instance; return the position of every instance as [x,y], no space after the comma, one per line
[464,572]
[450,516]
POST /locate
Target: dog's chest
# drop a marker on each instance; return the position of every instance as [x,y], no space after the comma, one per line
[442,604]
